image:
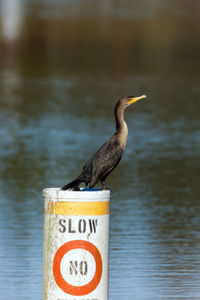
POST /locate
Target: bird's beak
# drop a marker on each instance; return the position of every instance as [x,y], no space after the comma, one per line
[135,99]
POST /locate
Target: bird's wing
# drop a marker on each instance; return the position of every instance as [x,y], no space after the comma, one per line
[105,160]
[86,174]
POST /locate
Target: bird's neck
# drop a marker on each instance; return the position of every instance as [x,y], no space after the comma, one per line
[121,126]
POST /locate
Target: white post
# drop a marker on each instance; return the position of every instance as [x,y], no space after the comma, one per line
[76,234]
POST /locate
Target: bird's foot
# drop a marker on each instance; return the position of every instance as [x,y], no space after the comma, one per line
[76,188]
[107,189]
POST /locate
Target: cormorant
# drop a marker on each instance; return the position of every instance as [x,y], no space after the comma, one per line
[103,162]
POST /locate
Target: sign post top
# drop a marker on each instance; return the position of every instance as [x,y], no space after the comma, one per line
[56,194]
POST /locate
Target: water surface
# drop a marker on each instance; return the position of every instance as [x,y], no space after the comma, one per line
[63,66]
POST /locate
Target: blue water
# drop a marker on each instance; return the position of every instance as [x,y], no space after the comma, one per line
[63,66]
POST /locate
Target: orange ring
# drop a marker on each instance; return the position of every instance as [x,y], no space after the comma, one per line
[64,285]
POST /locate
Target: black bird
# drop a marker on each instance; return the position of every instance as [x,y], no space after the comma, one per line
[103,162]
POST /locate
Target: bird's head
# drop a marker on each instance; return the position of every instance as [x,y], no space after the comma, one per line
[132,100]
[129,100]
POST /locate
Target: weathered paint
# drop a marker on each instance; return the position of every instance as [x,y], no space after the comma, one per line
[75,208]
[76,232]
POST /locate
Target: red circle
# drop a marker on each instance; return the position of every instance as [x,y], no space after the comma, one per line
[64,285]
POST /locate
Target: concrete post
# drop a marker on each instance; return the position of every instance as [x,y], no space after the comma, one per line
[76,234]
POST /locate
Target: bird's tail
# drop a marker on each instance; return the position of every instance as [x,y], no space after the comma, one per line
[73,185]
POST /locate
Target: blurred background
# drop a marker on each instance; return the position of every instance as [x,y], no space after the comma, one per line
[63,65]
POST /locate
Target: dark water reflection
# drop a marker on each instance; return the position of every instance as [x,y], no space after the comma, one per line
[63,66]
